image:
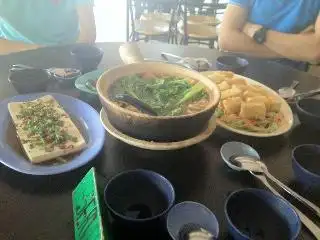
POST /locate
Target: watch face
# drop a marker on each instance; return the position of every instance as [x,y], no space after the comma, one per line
[260,36]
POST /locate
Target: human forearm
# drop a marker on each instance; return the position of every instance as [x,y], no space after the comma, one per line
[304,46]
[236,41]
[87,24]
[7,46]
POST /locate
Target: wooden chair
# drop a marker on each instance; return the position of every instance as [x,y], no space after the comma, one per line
[150,19]
[200,29]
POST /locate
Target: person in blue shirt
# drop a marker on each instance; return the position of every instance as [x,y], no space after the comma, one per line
[280,29]
[29,24]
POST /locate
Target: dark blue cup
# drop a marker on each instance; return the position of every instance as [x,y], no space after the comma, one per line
[29,80]
[139,200]
[87,57]
[232,63]
[308,111]
[259,214]
[306,164]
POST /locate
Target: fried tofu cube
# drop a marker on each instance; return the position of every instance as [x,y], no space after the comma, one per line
[274,105]
[237,81]
[232,105]
[232,92]
[223,86]
[253,110]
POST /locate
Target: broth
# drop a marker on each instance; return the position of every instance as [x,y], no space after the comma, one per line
[165,95]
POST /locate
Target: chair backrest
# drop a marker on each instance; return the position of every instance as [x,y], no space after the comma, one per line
[135,9]
[197,7]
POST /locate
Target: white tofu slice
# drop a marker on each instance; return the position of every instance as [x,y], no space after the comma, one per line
[253,110]
[38,154]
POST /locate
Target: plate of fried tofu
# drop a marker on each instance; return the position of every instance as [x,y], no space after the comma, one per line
[250,108]
[48,133]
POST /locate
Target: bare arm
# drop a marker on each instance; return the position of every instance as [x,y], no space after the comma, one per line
[87,24]
[7,46]
[231,37]
[304,46]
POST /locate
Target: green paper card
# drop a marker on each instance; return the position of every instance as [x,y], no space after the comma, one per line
[86,209]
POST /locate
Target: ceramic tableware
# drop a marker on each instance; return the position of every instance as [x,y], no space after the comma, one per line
[87,57]
[29,80]
[285,109]
[306,164]
[138,200]
[156,128]
[230,149]
[308,111]
[259,214]
[82,114]
[190,214]
[232,63]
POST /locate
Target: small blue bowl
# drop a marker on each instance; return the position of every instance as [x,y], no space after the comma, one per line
[139,198]
[259,214]
[232,63]
[308,111]
[194,213]
[306,164]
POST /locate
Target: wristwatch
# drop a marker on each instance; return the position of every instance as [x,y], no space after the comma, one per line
[260,35]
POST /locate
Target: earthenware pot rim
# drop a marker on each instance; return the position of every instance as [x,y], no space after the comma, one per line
[214,95]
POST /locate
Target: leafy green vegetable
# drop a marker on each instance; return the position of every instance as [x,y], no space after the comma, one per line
[166,95]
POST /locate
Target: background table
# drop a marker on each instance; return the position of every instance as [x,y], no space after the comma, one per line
[41,207]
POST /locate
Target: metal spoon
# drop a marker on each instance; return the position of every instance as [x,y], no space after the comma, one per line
[198,64]
[288,92]
[314,229]
[251,164]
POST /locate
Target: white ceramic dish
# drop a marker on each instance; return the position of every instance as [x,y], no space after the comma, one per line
[285,110]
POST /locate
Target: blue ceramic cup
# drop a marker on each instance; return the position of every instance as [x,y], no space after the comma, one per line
[232,63]
[309,112]
[139,198]
[306,164]
[259,214]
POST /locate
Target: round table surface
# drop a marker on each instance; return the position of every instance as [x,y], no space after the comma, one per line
[41,207]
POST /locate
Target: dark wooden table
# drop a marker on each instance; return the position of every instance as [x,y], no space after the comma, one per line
[41,208]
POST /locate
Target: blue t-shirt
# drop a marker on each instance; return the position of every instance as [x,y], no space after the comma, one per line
[289,16]
[43,22]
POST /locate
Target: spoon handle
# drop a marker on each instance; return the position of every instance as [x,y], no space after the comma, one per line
[314,229]
[307,94]
[306,202]
[294,84]
[166,55]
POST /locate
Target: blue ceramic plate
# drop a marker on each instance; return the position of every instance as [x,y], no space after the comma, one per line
[83,115]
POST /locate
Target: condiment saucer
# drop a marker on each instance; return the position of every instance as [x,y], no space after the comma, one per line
[159,146]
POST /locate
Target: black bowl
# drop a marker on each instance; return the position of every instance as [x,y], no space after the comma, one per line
[259,214]
[232,63]
[29,80]
[139,199]
[308,111]
[306,164]
[87,57]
